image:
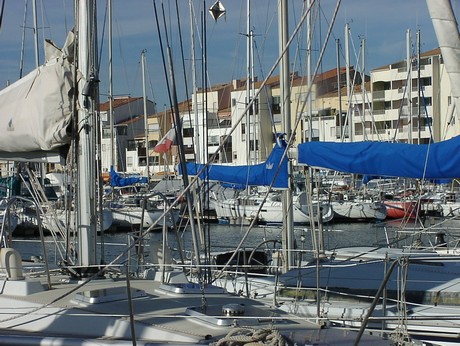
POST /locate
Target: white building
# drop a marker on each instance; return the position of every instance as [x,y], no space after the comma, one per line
[128,115]
[429,111]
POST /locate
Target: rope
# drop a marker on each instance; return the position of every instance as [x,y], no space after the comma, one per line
[252,337]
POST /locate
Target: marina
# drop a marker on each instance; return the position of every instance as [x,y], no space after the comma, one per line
[287,209]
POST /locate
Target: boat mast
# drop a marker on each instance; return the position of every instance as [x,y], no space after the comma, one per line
[288,217]
[409,87]
[37,55]
[347,68]
[310,106]
[339,87]
[248,81]
[86,170]
[363,85]
[146,122]
[113,161]
[195,89]
[418,88]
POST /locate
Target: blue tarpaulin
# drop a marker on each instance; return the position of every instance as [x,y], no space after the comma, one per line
[248,175]
[117,180]
[430,161]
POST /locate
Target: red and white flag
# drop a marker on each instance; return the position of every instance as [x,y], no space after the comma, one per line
[166,142]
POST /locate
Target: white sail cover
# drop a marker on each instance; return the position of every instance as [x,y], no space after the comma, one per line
[35,111]
[446,29]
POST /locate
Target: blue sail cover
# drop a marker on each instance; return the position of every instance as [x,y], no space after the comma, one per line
[253,175]
[117,180]
[431,161]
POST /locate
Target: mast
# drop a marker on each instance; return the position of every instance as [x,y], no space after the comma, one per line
[339,87]
[347,68]
[363,84]
[146,122]
[248,81]
[21,62]
[34,11]
[409,87]
[86,170]
[419,111]
[288,238]
[113,161]
[255,133]
[310,108]
[195,89]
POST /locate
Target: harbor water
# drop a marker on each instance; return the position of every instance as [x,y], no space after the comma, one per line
[225,237]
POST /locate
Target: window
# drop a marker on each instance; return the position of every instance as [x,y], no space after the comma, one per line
[251,145]
[254,107]
[225,123]
[132,145]
[213,140]
[188,132]
[121,130]
[276,108]
[106,132]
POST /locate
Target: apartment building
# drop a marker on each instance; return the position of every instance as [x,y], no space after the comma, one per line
[128,122]
[382,107]
[413,104]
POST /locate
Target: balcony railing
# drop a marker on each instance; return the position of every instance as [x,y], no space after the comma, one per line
[379,94]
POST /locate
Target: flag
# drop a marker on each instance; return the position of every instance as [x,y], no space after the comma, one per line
[166,142]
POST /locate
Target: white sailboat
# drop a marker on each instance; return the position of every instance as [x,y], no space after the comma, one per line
[95,304]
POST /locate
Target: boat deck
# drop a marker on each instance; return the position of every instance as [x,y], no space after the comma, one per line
[100,310]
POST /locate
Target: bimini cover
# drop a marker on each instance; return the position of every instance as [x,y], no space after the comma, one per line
[273,169]
[430,161]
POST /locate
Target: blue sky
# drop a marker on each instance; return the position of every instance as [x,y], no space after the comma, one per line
[383,23]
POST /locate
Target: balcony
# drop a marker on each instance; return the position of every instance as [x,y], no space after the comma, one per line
[378,95]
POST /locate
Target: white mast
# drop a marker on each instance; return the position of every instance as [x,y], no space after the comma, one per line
[409,87]
[86,170]
[339,87]
[146,123]
[113,161]
[419,111]
[34,11]
[288,238]
[347,68]
[195,89]
[248,82]
[363,85]
[310,106]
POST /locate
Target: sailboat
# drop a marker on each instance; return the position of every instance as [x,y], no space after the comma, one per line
[411,291]
[85,301]
[255,205]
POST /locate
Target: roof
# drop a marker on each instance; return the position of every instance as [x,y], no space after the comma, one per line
[432,52]
[118,102]
[332,73]
[131,120]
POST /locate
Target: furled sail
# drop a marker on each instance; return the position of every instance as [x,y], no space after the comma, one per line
[35,111]
[430,161]
[446,29]
[252,175]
